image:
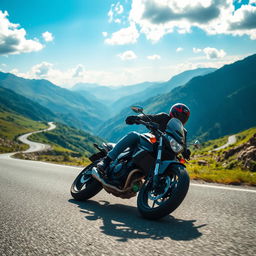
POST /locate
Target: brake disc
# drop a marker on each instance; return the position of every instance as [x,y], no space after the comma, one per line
[154,197]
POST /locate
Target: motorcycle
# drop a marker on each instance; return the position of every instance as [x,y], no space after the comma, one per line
[154,169]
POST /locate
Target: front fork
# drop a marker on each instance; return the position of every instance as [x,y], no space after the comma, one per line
[158,161]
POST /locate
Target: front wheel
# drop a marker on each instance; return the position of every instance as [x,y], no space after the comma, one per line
[155,203]
[85,186]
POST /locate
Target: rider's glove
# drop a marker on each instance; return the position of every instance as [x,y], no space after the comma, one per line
[186,154]
[132,119]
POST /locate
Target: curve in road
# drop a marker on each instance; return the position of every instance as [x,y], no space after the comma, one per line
[231,140]
[35,146]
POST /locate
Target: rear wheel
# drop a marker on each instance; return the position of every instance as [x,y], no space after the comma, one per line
[155,203]
[85,186]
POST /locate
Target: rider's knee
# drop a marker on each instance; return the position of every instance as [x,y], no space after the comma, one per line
[133,135]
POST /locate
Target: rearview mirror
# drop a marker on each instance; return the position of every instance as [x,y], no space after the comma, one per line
[137,109]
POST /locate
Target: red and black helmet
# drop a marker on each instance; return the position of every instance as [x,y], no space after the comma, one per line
[180,111]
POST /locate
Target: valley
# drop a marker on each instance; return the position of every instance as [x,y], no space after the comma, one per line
[90,113]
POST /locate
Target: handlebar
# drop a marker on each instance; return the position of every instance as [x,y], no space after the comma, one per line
[154,127]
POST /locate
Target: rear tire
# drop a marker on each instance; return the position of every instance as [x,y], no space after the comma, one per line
[176,195]
[85,186]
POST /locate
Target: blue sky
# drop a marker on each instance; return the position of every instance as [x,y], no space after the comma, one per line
[122,42]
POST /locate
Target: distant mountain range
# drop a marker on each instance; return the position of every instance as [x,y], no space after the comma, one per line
[160,88]
[221,103]
[70,107]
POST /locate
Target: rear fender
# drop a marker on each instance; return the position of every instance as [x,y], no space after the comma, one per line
[165,165]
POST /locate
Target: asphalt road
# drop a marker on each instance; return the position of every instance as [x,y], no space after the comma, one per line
[35,146]
[39,217]
[231,140]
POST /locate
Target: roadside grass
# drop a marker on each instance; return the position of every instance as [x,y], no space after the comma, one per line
[209,173]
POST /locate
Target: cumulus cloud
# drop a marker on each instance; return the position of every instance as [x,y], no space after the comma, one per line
[154,57]
[156,18]
[114,12]
[179,49]
[13,39]
[211,53]
[121,76]
[42,70]
[48,37]
[127,55]
[124,36]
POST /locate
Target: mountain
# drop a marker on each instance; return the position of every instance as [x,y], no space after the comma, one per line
[71,107]
[109,94]
[221,103]
[160,88]
[15,103]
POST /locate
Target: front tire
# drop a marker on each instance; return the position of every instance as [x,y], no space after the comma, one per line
[175,188]
[85,186]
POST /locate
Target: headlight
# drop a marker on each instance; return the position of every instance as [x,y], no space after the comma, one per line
[176,147]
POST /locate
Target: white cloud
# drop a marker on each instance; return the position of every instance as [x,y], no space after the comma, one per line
[197,50]
[124,36]
[105,34]
[179,49]
[114,12]
[211,53]
[157,18]
[127,55]
[48,37]
[13,39]
[121,76]
[42,70]
[154,57]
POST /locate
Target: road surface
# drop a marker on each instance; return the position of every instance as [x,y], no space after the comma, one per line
[231,140]
[39,217]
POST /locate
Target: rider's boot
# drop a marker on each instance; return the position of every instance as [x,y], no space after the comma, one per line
[103,166]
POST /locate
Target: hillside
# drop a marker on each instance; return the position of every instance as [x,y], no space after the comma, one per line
[235,164]
[11,126]
[221,103]
[13,102]
[71,107]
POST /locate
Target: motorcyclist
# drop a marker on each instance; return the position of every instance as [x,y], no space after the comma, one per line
[178,110]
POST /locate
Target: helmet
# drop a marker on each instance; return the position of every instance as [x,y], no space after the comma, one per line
[180,111]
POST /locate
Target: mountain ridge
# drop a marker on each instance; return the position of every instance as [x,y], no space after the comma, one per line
[207,96]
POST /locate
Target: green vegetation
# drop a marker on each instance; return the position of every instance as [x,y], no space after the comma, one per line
[11,126]
[218,166]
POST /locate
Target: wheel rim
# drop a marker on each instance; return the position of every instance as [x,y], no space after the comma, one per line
[154,198]
[82,181]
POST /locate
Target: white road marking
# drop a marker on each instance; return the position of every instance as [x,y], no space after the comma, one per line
[221,187]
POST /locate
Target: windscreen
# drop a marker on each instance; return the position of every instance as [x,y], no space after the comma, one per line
[176,129]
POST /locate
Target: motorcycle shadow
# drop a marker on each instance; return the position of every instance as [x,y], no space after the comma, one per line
[124,222]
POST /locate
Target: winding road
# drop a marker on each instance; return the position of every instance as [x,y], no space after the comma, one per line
[35,146]
[39,217]
[231,140]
